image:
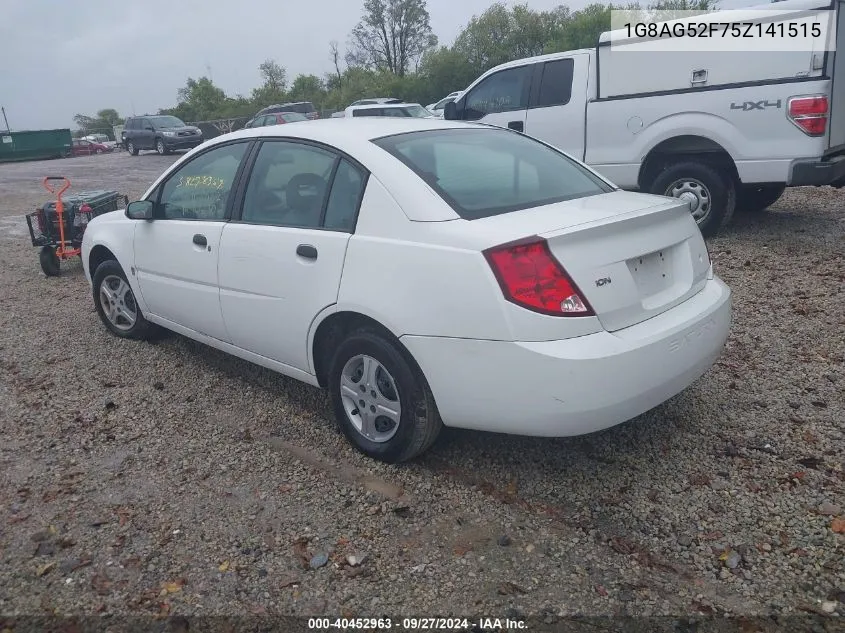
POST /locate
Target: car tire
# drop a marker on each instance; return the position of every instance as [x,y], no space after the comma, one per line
[98,151]
[130,147]
[49,261]
[399,383]
[161,148]
[120,302]
[713,191]
[757,198]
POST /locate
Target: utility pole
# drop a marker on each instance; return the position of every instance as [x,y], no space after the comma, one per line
[8,129]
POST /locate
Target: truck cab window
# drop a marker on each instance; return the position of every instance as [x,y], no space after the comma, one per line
[503,91]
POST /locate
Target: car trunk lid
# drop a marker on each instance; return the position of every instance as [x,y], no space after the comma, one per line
[632,256]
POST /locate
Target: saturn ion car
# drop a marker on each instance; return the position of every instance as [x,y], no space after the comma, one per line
[424,273]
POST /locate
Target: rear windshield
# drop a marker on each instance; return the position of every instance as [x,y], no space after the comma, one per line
[486,171]
[291,117]
[302,108]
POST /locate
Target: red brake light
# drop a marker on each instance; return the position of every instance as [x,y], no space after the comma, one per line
[531,277]
[809,114]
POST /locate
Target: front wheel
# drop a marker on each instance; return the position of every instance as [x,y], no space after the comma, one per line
[161,148]
[756,198]
[98,151]
[49,261]
[710,193]
[116,305]
[381,399]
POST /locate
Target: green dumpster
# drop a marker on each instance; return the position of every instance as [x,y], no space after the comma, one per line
[35,144]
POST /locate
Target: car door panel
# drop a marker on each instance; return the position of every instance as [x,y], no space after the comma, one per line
[279,268]
[270,294]
[178,277]
[176,253]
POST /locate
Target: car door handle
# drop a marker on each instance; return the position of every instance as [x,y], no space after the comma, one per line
[307,251]
[519,126]
[200,240]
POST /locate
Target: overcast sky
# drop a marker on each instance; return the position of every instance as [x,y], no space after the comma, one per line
[62,57]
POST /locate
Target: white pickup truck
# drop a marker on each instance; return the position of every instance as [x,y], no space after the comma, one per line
[722,129]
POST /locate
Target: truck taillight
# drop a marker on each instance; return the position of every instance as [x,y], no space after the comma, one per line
[531,277]
[809,114]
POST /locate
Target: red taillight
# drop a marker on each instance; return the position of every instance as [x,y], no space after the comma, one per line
[809,114]
[531,277]
[85,208]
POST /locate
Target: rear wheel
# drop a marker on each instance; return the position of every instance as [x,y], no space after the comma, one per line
[116,305]
[710,193]
[130,147]
[49,261]
[756,198]
[381,399]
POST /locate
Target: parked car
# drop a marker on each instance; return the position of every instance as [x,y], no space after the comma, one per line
[424,272]
[720,129]
[163,133]
[82,147]
[400,110]
[437,108]
[275,119]
[302,107]
[102,139]
[375,100]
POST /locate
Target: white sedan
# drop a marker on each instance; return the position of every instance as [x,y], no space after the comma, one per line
[423,272]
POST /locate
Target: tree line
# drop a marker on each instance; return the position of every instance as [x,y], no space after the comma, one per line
[393,52]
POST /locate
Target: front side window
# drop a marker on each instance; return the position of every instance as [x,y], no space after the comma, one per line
[200,189]
[503,91]
[288,185]
[486,172]
[368,112]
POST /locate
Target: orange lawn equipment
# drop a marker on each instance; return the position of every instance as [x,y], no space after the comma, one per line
[57,227]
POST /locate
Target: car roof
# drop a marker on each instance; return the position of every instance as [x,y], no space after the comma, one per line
[379,106]
[352,136]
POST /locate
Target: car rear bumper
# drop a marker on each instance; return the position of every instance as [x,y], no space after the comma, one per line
[812,172]
[579,385]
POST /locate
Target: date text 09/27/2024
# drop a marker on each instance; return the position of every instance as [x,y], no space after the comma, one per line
[418,624]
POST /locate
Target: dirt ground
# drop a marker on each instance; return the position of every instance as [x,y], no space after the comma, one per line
[169,478]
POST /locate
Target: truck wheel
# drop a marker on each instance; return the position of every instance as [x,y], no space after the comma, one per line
[756,198]
[49,261]
[130,147]
[711,193]
[161,148]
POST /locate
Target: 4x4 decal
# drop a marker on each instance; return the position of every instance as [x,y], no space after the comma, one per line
[756,105]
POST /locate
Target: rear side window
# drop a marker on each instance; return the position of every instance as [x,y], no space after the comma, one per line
[556,83]
[486,172]
[369,112]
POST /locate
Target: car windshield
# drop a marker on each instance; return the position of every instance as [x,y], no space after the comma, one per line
[486,172]
[442,103]
[291,117]
[167,121]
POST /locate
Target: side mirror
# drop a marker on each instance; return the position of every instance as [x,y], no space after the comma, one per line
[450,111]
[140,210]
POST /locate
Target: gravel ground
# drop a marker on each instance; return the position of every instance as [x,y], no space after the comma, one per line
[170,478]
